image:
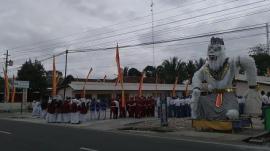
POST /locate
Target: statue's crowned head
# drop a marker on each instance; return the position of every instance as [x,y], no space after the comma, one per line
[216,53]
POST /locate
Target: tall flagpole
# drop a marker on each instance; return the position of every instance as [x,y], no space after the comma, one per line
[153,37]
[153,41]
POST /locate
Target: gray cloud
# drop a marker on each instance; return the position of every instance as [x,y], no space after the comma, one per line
[43,27]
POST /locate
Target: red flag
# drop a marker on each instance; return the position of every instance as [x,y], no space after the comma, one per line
[120,76]
[117,59]
[140,85]
[174,86]
[54,78]
[83,92]
[13,90]
[6,86]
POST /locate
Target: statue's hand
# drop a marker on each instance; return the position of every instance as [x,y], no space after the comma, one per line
[251,92]
[196,93]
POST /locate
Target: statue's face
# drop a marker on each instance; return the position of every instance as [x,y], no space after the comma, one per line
[214,52]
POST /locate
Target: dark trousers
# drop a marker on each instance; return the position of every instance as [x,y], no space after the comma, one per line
[178,111]
[241,108]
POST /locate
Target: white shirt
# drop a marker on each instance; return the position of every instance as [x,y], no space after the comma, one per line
[265,99]
[241,100]
[158,102]
[116,103]
[172,102]
[177,102]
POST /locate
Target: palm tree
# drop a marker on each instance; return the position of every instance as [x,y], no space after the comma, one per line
[171,68]
[125,71]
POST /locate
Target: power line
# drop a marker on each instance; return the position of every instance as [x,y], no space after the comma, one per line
[119,23]
[168,30]
[177,20]
[239,29]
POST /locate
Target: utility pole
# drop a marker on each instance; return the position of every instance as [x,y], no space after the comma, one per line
[65,86]
[5,72]
[267,38]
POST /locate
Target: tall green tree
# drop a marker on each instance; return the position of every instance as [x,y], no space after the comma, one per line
[35,73]
[150,71]
[134,72]
[262,59]
[67,80]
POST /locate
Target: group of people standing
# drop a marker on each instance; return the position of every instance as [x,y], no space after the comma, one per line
[72,111]
[135,107]
[179,107]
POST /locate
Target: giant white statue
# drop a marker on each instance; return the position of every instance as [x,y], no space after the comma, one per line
[213,95]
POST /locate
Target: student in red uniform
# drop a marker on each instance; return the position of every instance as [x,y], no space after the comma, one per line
[112,109]
[66,111]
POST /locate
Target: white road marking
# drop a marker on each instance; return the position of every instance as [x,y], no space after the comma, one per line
[88,149]
[5,132]
[266,148]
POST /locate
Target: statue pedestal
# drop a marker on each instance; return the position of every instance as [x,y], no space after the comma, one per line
[221,125]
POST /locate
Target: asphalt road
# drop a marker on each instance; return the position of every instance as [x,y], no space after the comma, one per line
[23,136]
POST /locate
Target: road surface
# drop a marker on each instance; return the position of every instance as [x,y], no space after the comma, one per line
[23,136]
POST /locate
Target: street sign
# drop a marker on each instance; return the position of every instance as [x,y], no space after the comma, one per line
[21,84]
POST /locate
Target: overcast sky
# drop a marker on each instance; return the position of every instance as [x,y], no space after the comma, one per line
[38,29]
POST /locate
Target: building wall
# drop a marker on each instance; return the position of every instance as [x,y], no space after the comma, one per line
[242,87]
[69,92]
[109,94]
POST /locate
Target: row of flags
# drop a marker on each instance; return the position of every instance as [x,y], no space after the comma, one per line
[55,79]
[118,80]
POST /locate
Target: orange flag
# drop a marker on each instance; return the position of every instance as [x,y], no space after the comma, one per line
[120,75]
[186,89]
[13,90]
[87,77]
[140,85]
[174,86]
[54,79]
[156,83]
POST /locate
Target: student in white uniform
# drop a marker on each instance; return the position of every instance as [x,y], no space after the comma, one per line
[75,114]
